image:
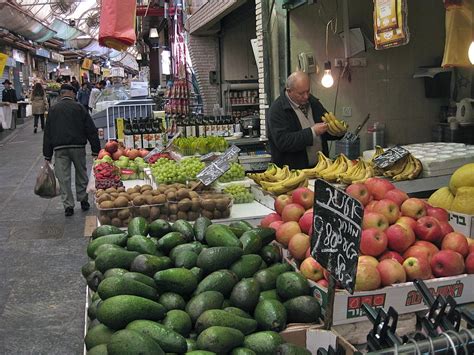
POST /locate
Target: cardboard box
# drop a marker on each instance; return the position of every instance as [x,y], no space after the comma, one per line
[314,337]
[403,297]
[462,223]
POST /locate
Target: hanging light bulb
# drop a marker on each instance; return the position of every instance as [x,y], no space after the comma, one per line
[327,81]
[139,56]
[154,33]
[470,52]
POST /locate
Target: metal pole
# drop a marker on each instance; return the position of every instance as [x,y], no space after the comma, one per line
[330,305]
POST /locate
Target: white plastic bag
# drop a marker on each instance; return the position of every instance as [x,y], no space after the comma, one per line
[47,186]
[91,185]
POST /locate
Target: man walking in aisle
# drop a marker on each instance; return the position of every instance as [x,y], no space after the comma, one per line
[68,128]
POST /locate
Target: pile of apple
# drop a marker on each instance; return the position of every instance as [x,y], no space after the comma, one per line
[115,150]
[402,238]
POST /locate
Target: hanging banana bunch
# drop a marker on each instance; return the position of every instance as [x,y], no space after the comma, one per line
[336,127]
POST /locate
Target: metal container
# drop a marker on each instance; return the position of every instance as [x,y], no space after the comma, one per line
[375,135]
[351,149]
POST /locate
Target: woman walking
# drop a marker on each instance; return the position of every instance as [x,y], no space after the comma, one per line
[39,105]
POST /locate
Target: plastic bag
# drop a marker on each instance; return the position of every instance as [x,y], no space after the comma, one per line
[47,186]
[458,36]
[91,185]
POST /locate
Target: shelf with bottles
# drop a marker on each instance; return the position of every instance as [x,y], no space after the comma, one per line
[242,97]
[143,132]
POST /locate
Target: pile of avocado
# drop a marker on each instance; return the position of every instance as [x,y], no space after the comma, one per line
[199,289]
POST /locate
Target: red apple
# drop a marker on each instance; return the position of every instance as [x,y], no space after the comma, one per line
[292,212]
[370,206]
[397,196]
[298,245]
[286,231]
[447,263]
[367,259]
[389,209]
[470,263]
[111,146]
[378,187]
[413,207]
[326,274]
[417,268]
[399,237]
[143,152]
[304,197]
[133,153]
[117,154]
[373,242]
[407,221]
[391,272]
[276,225]
[323,282]
[307,254]
[433,248]
[470,241]
[360,192]
[309,211]
[427,228]
[374,220]
[306,222]
[367,278]
[281,201]
[446,228]
[439,213]
[457,242]
[311,269]
[103,153]
[418,251]
[471,248]
[268,219]
[391,255]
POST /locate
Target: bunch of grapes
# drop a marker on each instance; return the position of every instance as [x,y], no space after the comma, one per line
[235,173]
[166,171]
[240,193]
[190,167]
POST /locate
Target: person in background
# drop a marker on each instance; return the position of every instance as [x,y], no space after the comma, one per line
[68,129]
[39,105]
[295,129]
[75,84]
[9,93]
[83,95]
[94,95]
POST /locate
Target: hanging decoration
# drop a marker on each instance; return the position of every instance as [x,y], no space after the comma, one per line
[117,24]
[390,23]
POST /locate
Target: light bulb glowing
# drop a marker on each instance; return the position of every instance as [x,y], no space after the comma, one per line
[327,81]
[139,56]
[470,52]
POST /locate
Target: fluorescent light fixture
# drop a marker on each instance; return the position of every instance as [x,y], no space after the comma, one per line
[166,62]
[470,52]
[154,33]
[327,81]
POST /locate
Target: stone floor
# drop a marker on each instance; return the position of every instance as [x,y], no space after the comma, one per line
[42,293]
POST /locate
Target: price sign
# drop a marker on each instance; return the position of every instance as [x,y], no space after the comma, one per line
[218,167]
[336,232]
[390,156]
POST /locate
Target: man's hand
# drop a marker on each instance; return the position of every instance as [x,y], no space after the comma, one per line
[320,128]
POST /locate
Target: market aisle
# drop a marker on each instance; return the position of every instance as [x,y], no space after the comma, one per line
[41,291]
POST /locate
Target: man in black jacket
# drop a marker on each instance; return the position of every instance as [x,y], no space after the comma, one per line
[294,126]
[9,93]
[68,128]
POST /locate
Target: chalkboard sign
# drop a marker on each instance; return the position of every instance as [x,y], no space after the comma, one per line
[336,232]
[218,167]
[390,156]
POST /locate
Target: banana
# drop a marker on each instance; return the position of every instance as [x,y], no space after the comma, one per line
[297,178]
[354,172]
[369,172]
[340,167]
[332,167]
[323,163]
[396,168]
[418,168]
[336,127]
[271,171]
[407,171]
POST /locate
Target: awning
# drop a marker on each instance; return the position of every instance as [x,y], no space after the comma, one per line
[64,31]
[20,22]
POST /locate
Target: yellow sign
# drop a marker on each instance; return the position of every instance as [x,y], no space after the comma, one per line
[105,72]
[119,124]
[3,62]
[87,64]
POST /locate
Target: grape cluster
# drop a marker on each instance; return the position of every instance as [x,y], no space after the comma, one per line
[168,171]
[190,167]
[240,193]
[235,173]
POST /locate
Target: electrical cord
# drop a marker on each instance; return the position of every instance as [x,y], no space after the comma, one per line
[458,337]
[450,343]
[411,340]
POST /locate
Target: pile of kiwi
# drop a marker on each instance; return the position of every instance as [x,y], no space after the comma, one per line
[181,203]
[215,205]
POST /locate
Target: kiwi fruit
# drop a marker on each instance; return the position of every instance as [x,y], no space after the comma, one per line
[163,216]
[208,204]
[103,197]
[173,217]
[162,188]
[173,208]
[121,201]
[106,204]
[154,213]
[145,188]
[144,211]
[192,216]
[139,200]
[113,213]
[182,194]
[124,214]
[147,193]
[193,194]
[149,199]
[121,189]
[104,219]
[207,214]
[117,222]
[184,205]
[99,193]
[171,189]
[130,190]
[195,206]
[114,194]
[182,215]
[179,185]
[160,199]
[165,209]
[171,196]
[226,213]
[221,204]
[217,214]
[124,194]
[111,189]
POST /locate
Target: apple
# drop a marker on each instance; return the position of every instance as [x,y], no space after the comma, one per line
[457,242]
[417,268]
[397,196]
[370,206]
[418,251]
[446,228]
[374,220]
[470,263]
[391,272]
[292,212]
[427,228]
[470,241]
[276,225]
[143,152]
[433,248]
[311,269]
[133,153]
[307,254]
[111,146]
[281,201]
[298,245]
[304,197]
[407,221]
[270,218]
[117,154]
[373,242]
[326,275]
[367,259]
[367,277]
[413,207]
[360,192]
[391,255]
[400,237]
[439,213]
[286,231]
[323,282]
[306,222]
[378,187]
[471,248]
[103,153]
[389,209]
[447,263]
[309,211]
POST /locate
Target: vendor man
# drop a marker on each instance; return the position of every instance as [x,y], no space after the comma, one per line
[9,93]
[295,130]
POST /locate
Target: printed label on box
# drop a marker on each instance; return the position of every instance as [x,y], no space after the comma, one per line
[462,223]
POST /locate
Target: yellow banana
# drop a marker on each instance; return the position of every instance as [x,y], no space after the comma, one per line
[271,171]
[354,172]
[295,180]
[396,168]
[407,170]
[418,168]
[340,167]
[323,163]
[369,172]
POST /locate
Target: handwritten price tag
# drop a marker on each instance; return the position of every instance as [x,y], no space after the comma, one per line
[219,166]
[336,232]
[390,157]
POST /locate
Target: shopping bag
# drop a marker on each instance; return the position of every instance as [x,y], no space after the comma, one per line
[47,186]
[91,185]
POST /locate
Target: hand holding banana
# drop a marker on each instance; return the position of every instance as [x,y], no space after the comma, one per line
[336,127]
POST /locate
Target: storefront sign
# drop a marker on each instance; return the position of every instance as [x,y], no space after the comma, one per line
[41,52]
[3,63]
[96,69]
[105,72]
[138,88]
[19,56]
[57,57]
[87,64]
[118,72]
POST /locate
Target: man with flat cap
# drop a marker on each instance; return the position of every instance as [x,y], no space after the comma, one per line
[68,128]
[9,93]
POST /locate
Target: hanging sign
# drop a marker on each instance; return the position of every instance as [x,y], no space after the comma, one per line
[19,56]
[3,63]
[87,64]
[96,69]
[120,72]
[390,157]
[41,52]
[57,57]
[106,72]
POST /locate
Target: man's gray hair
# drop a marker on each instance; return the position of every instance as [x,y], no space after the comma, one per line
[294,77]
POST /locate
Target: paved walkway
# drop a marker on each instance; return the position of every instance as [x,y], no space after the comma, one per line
[42,293]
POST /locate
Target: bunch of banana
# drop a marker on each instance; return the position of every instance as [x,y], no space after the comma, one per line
[272,174]
[378,150]
[323,163]
[412,169]
[296,179]
[336,127]
[358,172]
[339,166]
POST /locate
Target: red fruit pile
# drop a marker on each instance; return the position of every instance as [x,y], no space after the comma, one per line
[157,156]
[107,175]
